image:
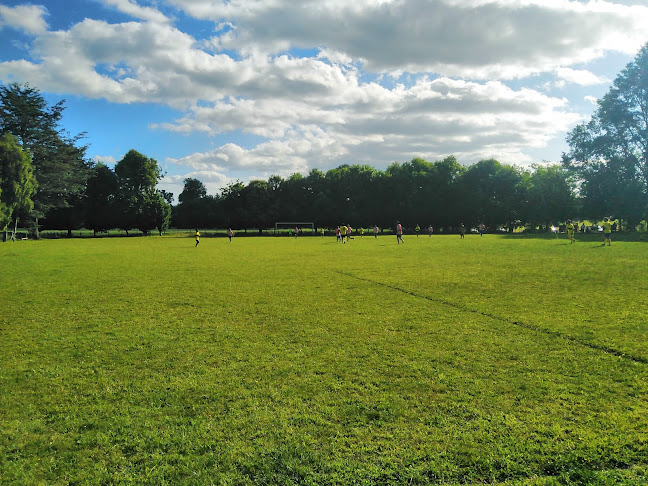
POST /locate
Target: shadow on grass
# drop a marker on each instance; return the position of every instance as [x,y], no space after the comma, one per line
[629,236]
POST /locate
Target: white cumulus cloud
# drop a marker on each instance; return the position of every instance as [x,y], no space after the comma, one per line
[580,76]
[317,83]
[474,38]
[28,18]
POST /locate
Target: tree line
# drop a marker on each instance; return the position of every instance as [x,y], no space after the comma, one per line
[442,194]
[46,181]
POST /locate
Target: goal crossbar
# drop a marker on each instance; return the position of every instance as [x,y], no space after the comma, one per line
[292,224]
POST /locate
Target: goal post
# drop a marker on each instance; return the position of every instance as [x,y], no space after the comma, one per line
[288,225]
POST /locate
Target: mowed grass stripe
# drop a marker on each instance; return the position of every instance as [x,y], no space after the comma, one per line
[597,347]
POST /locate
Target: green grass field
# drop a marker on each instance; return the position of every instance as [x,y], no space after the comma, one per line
[503,360]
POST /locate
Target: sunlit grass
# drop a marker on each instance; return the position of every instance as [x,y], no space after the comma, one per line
[304,361]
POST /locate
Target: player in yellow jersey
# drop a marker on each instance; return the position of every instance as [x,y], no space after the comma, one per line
[197,238]
[607,231]
[570,231]
[343,232]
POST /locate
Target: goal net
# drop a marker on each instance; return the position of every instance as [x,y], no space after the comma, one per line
[286,226]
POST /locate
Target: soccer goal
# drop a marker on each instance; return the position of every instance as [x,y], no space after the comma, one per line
[291,225]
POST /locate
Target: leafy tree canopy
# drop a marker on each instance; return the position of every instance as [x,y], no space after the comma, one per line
[193,189]
[611,150]
[17,180]
[58,161]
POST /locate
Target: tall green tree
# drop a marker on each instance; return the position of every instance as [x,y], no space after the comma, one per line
[4,214]
[611,149]
[190,211]
[59,162]
[17,181]
[193,190]
[70,217]
[139,204]
[605,191]
[231,200]
[101,199]
[317,197]
[443,200]
[155,213]
[350,194]
[256,198]
[491,193]
[197,209]
[550,196]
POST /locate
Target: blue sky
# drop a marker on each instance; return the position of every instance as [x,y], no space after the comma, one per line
[238,90]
